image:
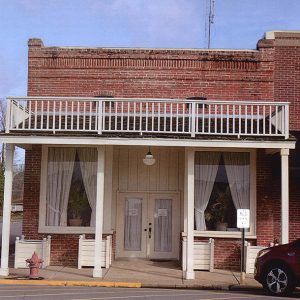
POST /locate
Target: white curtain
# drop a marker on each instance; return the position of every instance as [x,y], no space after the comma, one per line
[206,168]
[88,165]
[238,174]
[163,225]
[133,224]
[60,171]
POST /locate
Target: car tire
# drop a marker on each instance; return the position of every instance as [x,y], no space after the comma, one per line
[278,280]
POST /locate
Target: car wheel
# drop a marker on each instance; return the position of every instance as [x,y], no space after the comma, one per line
[278,280]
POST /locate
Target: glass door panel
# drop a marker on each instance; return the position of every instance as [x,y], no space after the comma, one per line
[163,213]
[132,214]
[133,224]
[163,225]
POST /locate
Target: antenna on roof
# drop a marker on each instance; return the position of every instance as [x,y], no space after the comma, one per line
[210,20]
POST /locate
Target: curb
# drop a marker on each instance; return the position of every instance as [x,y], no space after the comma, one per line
[245,288]
[70,283]
[221,287]
[216,287]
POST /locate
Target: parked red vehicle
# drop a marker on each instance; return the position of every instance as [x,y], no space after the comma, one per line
[278,268]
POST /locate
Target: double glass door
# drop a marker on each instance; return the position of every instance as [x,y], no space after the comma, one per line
[148,225]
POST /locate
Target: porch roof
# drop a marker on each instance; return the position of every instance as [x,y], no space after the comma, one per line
[26,139]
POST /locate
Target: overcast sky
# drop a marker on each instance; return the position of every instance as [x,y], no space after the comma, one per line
[132,23]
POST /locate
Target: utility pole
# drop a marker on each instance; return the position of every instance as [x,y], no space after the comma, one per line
[211,16]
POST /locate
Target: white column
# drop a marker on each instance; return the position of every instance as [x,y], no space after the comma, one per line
[107,208]
[9,157]
[284,195]
[189,212]
[97,272]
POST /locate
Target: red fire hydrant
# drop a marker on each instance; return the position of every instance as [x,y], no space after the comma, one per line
[34,263]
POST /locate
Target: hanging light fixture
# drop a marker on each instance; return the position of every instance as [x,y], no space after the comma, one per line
[149,160]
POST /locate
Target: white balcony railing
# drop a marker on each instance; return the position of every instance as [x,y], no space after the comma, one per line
[147,116]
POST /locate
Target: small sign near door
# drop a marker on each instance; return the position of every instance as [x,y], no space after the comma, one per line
[162,212]
[132,212]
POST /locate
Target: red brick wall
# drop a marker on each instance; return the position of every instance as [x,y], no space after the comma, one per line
[268,198]
[243,75]
[236,75]
[287,74]
[287,88]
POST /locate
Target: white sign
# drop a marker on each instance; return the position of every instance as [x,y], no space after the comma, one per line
[162,212]
[132,212]
[243,218]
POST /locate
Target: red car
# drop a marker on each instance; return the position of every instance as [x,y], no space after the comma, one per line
[278,268]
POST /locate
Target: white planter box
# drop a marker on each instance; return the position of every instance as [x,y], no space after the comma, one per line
[86,252]
[250,255]
[203,255]
[25,248]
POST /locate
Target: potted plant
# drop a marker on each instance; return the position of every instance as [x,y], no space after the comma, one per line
[75,207]
[218,209]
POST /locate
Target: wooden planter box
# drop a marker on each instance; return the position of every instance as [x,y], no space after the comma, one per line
[203,255]
[25,248]
[86,252]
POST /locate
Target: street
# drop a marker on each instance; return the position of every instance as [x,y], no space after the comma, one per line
[17,292]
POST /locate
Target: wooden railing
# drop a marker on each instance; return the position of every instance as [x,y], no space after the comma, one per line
[148,116]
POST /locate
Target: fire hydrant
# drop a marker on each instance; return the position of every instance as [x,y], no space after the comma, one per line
[34,263]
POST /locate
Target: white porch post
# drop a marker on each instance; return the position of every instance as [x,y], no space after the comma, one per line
[284,195]
[97,272]
[189,212]
[9,157]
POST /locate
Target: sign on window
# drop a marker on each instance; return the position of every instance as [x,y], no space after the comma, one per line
[243,218]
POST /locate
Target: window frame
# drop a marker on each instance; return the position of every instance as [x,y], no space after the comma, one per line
[252,230]
[42,227]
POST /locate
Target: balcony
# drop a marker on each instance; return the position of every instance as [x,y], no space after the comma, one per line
[167,117]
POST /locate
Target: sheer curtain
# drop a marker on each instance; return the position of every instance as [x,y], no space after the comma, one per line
[133,224]
[238,174]
[60,171]
[88,166]
[206,168]
[163,225]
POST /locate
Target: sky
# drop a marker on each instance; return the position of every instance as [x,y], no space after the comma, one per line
[132,23]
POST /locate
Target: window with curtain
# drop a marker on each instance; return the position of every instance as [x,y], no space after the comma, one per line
[71,187]
[222,185]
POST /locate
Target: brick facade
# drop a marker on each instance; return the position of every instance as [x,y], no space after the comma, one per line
[269,73]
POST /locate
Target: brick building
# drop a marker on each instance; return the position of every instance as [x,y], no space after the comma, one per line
[219,128]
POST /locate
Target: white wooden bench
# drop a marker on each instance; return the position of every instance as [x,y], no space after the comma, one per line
[203,255]
[25,248]
[250,255]
[86,252]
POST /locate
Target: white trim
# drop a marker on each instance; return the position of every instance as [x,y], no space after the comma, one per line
[94,141]
[108,188]
[223,234]
[97,272]
[189,211]
[270,35]
[7,195]
[237,234]
[284,196]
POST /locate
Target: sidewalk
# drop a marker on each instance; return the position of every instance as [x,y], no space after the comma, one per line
[134,273]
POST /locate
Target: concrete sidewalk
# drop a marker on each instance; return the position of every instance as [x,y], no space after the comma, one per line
[135,273]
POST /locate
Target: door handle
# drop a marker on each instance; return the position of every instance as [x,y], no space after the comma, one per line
[150,230]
